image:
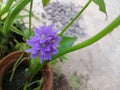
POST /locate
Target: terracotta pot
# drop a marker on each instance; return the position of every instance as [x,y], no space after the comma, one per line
[10,59]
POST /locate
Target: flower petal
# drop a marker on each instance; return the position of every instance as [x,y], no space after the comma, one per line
[44,43]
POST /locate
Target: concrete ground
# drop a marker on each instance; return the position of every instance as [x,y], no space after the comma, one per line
[97,66]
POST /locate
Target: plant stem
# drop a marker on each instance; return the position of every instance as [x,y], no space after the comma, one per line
[79,13]
[30,16]
[37,18]
[105,31]
[37,81]
[25,85]
[15,30]
[13,14]
[6,8]
[15,66]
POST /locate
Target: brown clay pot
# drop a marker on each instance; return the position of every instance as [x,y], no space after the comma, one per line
[11,58]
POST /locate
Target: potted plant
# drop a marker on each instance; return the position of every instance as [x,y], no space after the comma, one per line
[9,37]
[42,45]
[17,80]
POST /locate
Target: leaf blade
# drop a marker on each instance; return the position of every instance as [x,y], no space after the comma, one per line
[101,5]
[45,2]
[65,43]
[13,14]
[69,43]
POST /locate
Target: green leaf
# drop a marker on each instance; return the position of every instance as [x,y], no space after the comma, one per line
[53,63]
[6,8]
[65,43]
[25,86]
[14,29]
[40,84]
[63,58]
[13,14]
[45,2]
[20,46]
[22,16]
[73,82]
[35,66]
[101,5]
[109,28]
[26,34]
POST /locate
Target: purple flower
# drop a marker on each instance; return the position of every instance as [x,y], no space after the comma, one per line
[44,44]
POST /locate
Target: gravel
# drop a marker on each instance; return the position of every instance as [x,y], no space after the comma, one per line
[60,14]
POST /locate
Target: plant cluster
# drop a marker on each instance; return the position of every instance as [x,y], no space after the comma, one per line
[44,44]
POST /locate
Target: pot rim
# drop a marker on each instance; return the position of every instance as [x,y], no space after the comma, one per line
[5,63]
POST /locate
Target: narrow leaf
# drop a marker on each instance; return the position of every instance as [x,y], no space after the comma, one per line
[45,2]
[115,23]
[7,7]
[40,84]
[35,66]
[65,43]
[15,30]
[12,15]
[101,5]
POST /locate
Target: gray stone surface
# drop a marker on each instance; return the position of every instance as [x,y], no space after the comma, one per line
[97,66]
[61,13]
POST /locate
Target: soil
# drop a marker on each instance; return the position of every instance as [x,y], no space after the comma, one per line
[60,82]
[19,79]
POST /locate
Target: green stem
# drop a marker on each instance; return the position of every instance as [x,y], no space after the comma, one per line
[15,30]
[25,85]
[15,66]
[79,13]
[6,8]
[30,16]
[36,69]
[34,16]
[105,31]
[38,81]
[1,4]
[12,15]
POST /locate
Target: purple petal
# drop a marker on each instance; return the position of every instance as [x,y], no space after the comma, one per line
[44,43]
[28,50]
[37,32]
[54,51]
[33,55]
